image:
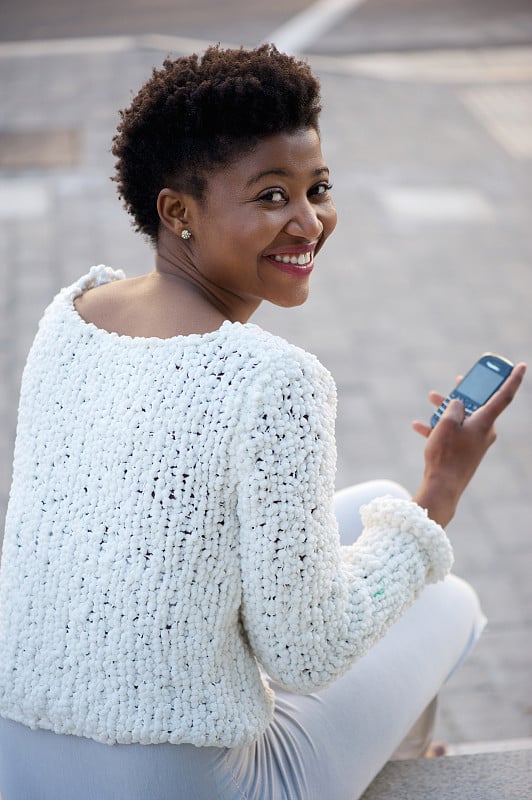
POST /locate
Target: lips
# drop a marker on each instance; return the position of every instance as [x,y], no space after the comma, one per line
[297,259]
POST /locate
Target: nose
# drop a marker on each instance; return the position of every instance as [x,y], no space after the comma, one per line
[305,222]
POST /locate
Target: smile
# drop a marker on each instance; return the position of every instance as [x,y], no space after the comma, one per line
[302,260]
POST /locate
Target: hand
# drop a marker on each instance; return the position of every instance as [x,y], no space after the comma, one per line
[457,445]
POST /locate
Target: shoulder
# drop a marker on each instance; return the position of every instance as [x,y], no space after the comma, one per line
[65,297]
[96,307]
[282,376]
[275,356]
[98,275]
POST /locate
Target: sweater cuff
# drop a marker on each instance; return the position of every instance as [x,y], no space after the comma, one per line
[390,514]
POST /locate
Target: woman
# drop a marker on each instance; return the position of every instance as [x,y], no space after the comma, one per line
[178,616]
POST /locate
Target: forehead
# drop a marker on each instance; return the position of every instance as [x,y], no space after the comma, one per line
[297,153]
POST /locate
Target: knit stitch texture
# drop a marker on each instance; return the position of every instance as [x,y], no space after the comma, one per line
[170,527]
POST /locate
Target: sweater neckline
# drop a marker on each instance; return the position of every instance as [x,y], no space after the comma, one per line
[100,274]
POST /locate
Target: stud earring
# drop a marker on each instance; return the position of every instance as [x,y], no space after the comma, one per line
[185,234]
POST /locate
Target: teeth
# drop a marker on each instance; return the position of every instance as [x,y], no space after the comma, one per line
[300,261]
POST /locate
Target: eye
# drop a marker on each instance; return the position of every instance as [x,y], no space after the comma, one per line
[321,189]
[273,196]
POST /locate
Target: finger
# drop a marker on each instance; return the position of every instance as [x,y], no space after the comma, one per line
[421,428]
[436,398]
[454,413]
[502,398]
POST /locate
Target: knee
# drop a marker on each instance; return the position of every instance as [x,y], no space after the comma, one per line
[388,487]
[458,595]
[465,601]
[362,493]
[456,607]
[347,503]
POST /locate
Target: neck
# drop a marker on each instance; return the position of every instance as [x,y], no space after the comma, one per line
[174,266]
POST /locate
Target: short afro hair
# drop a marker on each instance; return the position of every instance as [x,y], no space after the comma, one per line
[198,113]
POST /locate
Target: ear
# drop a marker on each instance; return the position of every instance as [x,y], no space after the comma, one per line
[173,209]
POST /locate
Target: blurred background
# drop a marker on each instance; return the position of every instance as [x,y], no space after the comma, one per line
[427,128]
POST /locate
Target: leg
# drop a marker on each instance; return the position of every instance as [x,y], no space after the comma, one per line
[347,503]
[42,765]
[355,725]
[419,738]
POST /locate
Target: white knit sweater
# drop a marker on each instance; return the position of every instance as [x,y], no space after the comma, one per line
[170,525]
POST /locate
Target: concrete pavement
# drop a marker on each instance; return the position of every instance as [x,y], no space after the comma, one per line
[505,776]
[430,266]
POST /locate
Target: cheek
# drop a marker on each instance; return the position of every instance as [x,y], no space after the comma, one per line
[329,218]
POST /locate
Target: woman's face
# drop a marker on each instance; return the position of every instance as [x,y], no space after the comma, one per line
[263,220]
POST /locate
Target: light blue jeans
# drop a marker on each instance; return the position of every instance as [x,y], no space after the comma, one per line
[329,744]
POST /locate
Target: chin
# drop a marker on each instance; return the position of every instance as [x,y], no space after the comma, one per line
[291,299]
[291,302]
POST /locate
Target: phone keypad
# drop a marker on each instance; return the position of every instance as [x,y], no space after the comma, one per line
[469,405]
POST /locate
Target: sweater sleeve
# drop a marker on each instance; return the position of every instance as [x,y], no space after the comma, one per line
[310,607]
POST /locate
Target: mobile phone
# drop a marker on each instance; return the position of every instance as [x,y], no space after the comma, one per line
[482,380]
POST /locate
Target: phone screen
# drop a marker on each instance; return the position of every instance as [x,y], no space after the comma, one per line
[480,383]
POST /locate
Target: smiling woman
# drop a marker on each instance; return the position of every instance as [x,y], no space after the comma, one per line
[187,609]
[255,235]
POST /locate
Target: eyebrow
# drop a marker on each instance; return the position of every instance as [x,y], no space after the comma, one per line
[283,173]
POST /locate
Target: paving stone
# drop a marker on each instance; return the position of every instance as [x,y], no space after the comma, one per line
[39,149]
[493,776]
